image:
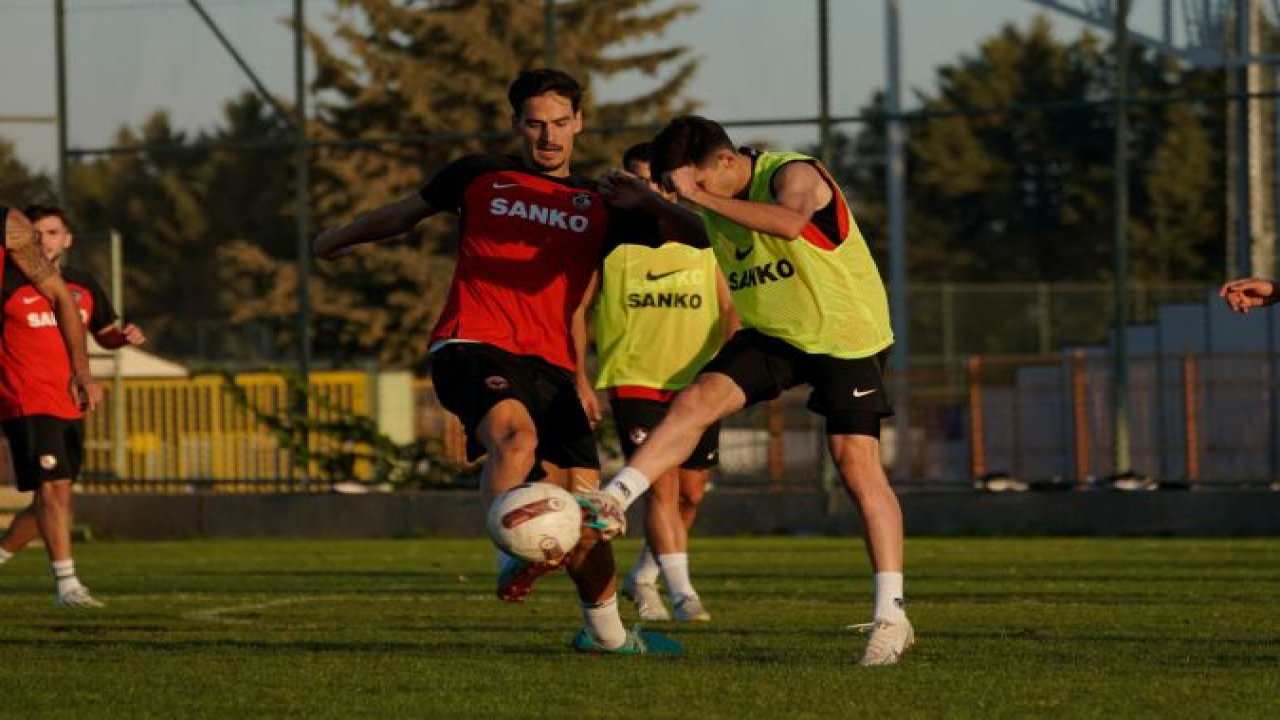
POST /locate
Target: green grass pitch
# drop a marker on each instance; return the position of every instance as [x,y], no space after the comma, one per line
[1006,628]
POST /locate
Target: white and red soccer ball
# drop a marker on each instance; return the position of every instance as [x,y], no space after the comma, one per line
[539,522]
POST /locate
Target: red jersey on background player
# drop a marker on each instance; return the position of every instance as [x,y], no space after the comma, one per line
[41,419]
[503,356]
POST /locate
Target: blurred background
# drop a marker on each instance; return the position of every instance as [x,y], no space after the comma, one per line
[1053,190]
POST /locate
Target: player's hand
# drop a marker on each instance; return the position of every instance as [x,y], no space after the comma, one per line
[622,189]
[86,392]
[590,401]
[133,334]
[1244,294]
[681,182]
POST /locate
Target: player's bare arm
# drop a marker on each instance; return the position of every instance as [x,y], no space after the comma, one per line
[388,221]
[582,381]
[1244,294]
[799,187]
[625,190]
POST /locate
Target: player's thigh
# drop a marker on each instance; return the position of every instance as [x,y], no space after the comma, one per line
[470,379]
[44,449]
[850,393]
[760,366]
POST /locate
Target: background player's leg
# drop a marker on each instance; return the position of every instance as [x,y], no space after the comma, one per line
[22,530]
[53,514]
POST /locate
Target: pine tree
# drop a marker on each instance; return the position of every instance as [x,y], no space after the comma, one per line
[1025,195]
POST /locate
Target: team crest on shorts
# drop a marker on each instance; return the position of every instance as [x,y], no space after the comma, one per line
[48,462]
[496,382]
[638,434]
[582,201]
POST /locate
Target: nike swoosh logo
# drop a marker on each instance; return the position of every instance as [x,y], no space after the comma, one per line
[30,299]
[504,186]
[651,277]
[740,254]
[862,393]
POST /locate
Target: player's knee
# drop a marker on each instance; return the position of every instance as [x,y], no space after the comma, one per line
[515,443]
[54,494]
[692,408]
[859,454]
[691,498]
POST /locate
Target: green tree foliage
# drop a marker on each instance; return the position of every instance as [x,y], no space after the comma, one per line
[1026,195]
[437,70]
[19,185]
[181,206]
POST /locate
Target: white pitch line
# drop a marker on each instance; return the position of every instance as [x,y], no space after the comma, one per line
[215,615]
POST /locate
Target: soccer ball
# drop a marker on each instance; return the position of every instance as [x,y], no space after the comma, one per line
[539,522]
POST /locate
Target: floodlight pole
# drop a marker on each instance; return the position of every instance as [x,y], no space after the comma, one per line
[824,83]
[895,190]
[1120,355]
[549,33]
[302,201]
[60,62]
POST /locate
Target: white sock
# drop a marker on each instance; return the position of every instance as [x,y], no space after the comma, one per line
[64,572]
[675,572]
[627,486]
[646,569]
[4,556]
[604,623]
[890,604]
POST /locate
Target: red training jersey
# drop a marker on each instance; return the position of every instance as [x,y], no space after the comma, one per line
[35,372]
[528,245]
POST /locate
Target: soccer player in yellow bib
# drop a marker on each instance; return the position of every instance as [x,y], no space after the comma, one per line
[814,312]
[660,314]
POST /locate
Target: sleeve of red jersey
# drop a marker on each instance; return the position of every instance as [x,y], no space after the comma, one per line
[103,315]
[445,190]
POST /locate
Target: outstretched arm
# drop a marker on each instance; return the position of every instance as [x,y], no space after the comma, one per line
[1244,294]
[24,251]
[387,221]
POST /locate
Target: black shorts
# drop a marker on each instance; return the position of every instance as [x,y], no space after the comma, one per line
[850,394]
[635,418]
[470,378]
[44,448]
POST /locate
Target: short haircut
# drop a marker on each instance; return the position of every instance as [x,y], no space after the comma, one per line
[688,139]
[539,81]
[36,213]
[638,153]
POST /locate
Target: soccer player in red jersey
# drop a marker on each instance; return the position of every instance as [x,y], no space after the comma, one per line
[44,356]
[502,354]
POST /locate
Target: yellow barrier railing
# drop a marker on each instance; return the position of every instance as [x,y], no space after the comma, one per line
[182,433]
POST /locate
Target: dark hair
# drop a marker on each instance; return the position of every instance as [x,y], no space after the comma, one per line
[634,154]
[36,213]
[540,81]
[688,139]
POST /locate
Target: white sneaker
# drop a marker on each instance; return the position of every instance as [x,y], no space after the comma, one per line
[647,599]
[887,641]
[78,597]
[689,609]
